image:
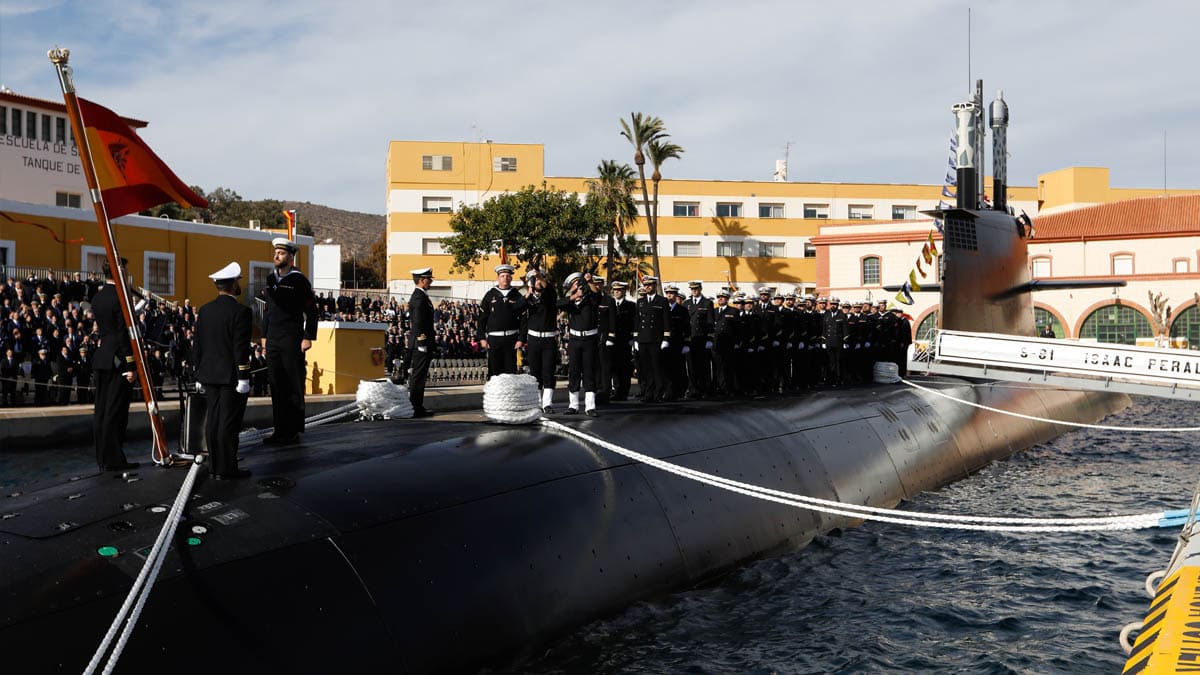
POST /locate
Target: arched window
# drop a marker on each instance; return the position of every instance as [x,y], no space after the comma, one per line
[1187,325]
[1117,324]
[1042,318]
[870,271]
[927,326]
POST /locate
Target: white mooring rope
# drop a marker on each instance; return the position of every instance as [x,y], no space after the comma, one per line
[512,399]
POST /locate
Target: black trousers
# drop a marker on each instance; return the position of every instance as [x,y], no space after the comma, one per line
[417,376]
[223,415]
[502,355]
[652,372]
[699,363]
[622,368]
[286,371]
[833,365]
[724,380]
[111,416]
[542,353]
[582,353]
[604,371]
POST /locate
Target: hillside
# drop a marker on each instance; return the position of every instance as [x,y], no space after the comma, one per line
[355,231]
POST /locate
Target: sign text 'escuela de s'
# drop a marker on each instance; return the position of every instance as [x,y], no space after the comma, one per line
[1145,363]
[44,155]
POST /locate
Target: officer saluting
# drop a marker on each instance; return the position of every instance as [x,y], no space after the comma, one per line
[289,327]
[583,345]
[420,339]
[540,332]
[500,323]
[114,368]
[223,367]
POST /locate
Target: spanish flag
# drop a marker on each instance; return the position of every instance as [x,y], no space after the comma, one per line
[290,216]
[130,176]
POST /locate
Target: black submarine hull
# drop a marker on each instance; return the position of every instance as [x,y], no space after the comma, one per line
[441,545]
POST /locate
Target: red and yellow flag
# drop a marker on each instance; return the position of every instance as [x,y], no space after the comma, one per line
[932,246]
[290,216]
[131,177]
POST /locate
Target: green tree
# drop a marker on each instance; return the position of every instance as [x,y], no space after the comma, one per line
[639,131]
[535,224]
[612,192]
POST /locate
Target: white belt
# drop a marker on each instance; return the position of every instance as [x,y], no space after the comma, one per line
[502,333]
[543,334]
[584,333]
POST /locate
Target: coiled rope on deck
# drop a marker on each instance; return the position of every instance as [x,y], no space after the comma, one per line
[512,399]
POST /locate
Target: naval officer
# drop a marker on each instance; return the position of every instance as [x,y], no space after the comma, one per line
[114,371]
[421,343]
[223,367]
[289,327]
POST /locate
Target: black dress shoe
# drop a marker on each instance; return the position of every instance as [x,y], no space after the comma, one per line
[422,413]
[123,466]
[232,475]
[549,410]
[591,413]
[571,411]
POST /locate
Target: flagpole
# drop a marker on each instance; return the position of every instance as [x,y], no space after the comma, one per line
[59,58]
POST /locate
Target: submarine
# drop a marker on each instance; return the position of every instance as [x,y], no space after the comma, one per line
[448,544]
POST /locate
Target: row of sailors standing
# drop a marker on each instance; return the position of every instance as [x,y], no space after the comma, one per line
[684,347]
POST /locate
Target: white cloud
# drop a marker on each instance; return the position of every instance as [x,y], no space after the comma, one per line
[299,100]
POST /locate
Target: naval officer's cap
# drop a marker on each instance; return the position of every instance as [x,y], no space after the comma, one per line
[504,267]
[619,285]
[671,288]
[572,278]
[423,273]
[695,283]
[649,280]
[285,244]
[227,273]
[722,293]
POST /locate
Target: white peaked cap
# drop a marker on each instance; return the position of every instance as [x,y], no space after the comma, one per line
[285,244]
[230,271]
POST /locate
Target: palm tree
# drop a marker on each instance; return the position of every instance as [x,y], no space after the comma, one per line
[659,150]
[640,131]
[613,191]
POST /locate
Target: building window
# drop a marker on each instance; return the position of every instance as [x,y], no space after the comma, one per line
[643,248]
[31,123]
[259,272]
[598,249]
[3,120]
[8,253]
[687,249]
[46,128]
[68,199]
[1043,318]
[437,163]
[503,164]
[60,126]
[91,259]
[1040,268]
[904,212]
[1117,324]
[870,271]
[810,251]
[1181,265]
[772,249]
[686,209]
[432,247]
[159,272]
[927,327]
[816,211]
[729,249]
[1186,328]
[1122,265]
[16,123]
[728,210]
[436,205]
[860,212]
[770,210]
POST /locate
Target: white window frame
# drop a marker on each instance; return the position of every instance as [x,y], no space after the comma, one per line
[820,211]
[691,209]
[440,199]
[252,288]
[810,250]
[679,253]
[598,249]
[78,198]
[909,213]
[10,246]
[84,251]
[774,207]
[734,209]
[159,255]
[438,162]
[766,249]
[504,164]
[736,244]
[1118,269]
[878,260]
[1187,266]
[860,212]
[1040,268]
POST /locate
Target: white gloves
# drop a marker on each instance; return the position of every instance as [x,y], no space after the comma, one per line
[774,343]
[799,345]
[749,350]
[199,388]
[686,349]
[663,345]
[243,387]
[788,346]
[708,345]
[635,347]
[422,349]
[762,349]
[867,344]
[824,347]
[608,343]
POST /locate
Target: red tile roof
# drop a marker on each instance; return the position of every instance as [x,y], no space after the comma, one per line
[1147,216]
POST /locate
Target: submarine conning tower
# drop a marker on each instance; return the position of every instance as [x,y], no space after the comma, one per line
[984,249]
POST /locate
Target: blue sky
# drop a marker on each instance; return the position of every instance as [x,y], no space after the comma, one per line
[298,100]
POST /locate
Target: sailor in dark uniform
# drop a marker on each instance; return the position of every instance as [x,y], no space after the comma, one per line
[677,344]
[725,332]
[834,334]
[421,340]
[223,367]
[540,333]
[605,311]
[650,339]
[583,342]
[500,323]
[289,327]
[114,372]
[701,316]
[624,326]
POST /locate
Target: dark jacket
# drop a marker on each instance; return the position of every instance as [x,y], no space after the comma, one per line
[114,350]
[223,342]
[500,311]
[652,320]
[420,331]
[291,313]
